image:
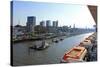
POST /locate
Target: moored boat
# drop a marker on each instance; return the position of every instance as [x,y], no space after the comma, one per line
[86,43]
[76,54]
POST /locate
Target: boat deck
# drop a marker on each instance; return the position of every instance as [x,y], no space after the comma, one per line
[75,54]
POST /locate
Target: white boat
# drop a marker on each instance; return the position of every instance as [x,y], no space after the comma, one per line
[55,40]
[43,46]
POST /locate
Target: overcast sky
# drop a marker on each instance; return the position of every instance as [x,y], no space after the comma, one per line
[66,14]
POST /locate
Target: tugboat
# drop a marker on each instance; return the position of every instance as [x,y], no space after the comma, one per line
[55,40]
[43,46]
[76,54]
[61,39]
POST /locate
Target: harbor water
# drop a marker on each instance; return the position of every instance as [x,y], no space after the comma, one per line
[22,55]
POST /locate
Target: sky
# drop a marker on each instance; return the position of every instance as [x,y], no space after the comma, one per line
[66,14]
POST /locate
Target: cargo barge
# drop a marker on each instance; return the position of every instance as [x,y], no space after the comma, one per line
[76,54]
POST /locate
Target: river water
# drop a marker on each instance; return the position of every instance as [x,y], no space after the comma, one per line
[52,55]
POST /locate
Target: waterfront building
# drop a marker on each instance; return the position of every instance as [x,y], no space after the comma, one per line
[74,26]
[31,22]
[42,23]
[55,23]
[48,23]
[18,31]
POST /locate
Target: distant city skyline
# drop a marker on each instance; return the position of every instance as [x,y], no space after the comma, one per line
[66,14]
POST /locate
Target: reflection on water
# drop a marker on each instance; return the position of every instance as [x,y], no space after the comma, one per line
[22,55]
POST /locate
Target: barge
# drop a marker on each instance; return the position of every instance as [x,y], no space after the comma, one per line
[76,54]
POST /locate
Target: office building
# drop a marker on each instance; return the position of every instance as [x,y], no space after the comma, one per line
[31,22]
[42,23]
[55,23]
[48,23]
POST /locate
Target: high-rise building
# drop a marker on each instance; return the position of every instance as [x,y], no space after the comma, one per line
[55,23]
[74,26]
[48,23]
[31,22]
[42,23]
